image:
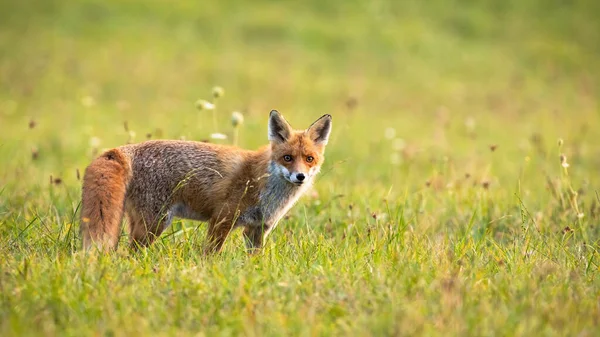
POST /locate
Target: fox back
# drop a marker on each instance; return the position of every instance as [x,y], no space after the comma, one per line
[155,181]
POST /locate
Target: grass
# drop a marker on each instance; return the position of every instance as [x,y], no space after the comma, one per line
[443,207]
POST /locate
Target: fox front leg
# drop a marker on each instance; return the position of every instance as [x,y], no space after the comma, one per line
[255,236]
[254,231]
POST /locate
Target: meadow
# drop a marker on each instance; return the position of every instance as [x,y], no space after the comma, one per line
[459,196]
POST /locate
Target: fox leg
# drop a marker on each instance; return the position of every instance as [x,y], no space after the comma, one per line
[144,229]
[218,230]
[255,235]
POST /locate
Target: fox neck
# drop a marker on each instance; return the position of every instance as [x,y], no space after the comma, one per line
[278,195]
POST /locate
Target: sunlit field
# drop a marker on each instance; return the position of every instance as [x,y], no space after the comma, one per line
[460,193]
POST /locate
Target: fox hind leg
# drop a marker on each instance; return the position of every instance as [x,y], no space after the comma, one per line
[145,228]
[218,231]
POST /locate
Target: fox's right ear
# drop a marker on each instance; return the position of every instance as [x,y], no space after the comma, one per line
[279,129]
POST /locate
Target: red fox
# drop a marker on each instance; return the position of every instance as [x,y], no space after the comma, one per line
[154,181]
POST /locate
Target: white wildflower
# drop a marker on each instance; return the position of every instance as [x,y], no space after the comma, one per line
[202,104]
[218,135]
[218,92]
[237,119]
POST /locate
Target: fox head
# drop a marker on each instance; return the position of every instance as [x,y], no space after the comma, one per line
[297,155]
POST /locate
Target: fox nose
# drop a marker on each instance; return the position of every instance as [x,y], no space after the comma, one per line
[300,176]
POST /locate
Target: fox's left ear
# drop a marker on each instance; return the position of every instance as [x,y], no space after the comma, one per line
[320,129]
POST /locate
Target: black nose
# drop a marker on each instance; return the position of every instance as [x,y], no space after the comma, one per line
[300,176]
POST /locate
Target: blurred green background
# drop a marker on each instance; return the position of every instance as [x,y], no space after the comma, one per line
[80,69]
[442,198]
[419,90]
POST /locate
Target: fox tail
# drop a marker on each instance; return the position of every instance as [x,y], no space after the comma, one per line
[103,199]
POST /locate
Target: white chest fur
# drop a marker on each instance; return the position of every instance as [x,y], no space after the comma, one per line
[278,197]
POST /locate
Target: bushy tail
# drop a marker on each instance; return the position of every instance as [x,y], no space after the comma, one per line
[103,197]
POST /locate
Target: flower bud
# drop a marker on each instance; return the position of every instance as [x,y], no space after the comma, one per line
[202,104]
[218,92]
[237,119]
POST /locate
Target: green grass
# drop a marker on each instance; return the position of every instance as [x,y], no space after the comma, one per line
[415,226]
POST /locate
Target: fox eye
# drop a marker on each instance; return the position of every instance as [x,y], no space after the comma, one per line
[287,158]
[310,159]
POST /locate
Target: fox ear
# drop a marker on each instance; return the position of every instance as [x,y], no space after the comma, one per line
[320,129]
[279,129]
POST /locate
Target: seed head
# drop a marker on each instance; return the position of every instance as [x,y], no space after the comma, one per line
[218,92]
[131,136]
[202,104]
[351,103]
[35,153]
[237,119]
[485,184]
[563,161]
[560,142]
[32,124]
[218,135]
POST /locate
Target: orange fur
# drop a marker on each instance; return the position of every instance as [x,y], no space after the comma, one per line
[300,147]
[154,181]
[103,196]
